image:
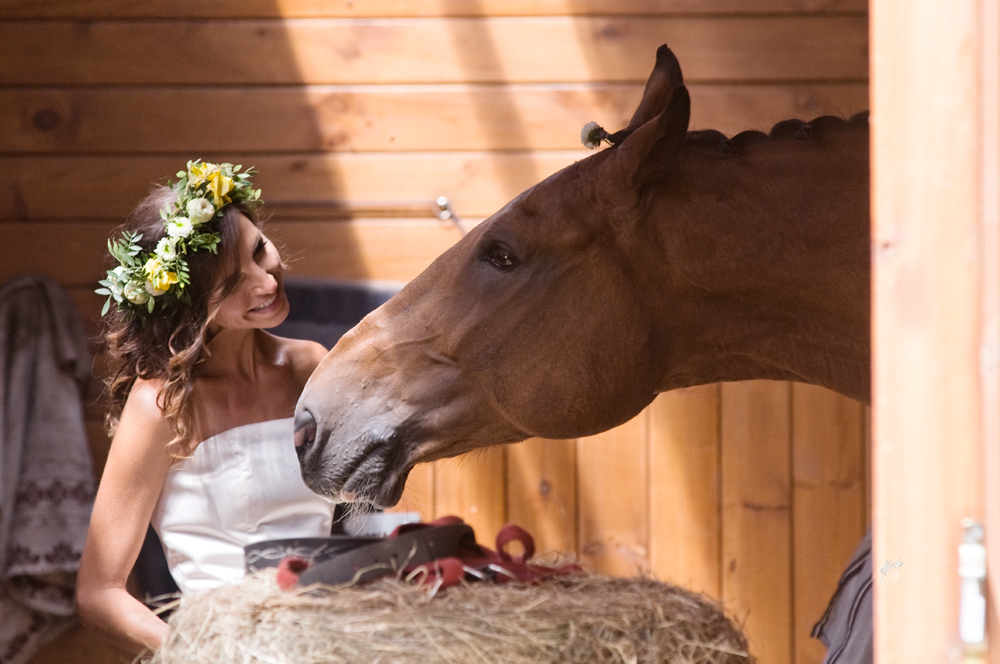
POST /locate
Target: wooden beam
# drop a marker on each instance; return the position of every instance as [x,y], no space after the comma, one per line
[406,8]
[432,50]
[926,130]
[685,488]
[828,501]
[376,118]
[757,514]
[542,492]
[989,344]
[477,183]
[613,500]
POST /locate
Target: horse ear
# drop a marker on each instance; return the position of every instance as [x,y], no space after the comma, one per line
[653,150]
[664,80]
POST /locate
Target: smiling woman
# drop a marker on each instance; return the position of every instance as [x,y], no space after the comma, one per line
[201,400]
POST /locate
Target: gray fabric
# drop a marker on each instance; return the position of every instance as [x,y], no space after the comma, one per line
[847,627]
[46,476]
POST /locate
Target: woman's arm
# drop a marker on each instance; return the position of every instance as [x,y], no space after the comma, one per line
[133,477]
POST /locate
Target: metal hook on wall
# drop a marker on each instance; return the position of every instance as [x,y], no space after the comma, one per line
[444,211]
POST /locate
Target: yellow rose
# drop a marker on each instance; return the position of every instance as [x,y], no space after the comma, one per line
[219,185]
[159,279]
[201,172]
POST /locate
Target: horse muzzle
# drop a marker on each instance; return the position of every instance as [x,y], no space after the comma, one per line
[370,469]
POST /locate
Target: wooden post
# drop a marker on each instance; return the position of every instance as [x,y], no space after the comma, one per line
[989,179]
[933,81]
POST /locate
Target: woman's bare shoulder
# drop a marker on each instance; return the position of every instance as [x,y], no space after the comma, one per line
[143,401]
[303,355]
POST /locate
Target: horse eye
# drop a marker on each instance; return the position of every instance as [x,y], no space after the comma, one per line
[501,257]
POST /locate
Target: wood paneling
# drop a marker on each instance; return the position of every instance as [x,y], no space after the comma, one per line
[388,250]
[613,476]
[365,112]
[756,514]
[542,492]
[478,184]
[404,8]
[828,516]
[375,119]
[930,358]
[459,50]
[684,488]
[472,487]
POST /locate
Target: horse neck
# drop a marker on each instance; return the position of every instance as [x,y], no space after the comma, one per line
[767,265]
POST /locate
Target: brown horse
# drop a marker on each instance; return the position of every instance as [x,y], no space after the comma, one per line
[669,260]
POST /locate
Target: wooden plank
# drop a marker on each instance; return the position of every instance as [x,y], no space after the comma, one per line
[613,499]
[684,485]
[477,183]
[404,8]
[756,514]
[376,118]
[541,492]
[926,288]
[989,341]
[393,250]
[828,519]
[472,487]
[390,250]
[431,50]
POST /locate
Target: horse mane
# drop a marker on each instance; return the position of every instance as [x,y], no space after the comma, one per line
[819,128]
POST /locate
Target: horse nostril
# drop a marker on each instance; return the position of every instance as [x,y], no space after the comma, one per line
[305,431]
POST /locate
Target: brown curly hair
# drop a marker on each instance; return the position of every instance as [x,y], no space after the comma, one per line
[168,344]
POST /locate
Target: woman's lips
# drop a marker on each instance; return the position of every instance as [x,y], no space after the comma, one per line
[266,307]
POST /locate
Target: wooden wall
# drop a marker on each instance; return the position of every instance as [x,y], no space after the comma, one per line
[358,114]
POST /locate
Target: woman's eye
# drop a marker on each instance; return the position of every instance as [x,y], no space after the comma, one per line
[501,257]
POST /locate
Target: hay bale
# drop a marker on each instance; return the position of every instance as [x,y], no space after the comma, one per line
[582,619]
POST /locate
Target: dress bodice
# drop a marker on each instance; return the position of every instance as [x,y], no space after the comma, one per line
[238,487]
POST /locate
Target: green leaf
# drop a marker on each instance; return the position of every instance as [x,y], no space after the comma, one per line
[103,291]
[107,305]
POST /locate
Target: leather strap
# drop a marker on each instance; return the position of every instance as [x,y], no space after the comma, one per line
[438,554]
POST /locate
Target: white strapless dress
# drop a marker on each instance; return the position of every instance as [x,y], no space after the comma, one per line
[239,487]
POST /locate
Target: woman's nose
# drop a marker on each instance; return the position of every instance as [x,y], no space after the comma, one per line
[265,283]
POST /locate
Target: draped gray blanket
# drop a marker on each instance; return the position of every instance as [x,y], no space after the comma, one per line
[46,477]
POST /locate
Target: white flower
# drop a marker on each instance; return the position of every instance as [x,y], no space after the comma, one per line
[166,249]
[135,293]
[179,227]
[592,134]
[200,210]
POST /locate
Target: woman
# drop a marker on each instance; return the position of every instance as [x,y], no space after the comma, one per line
[201,401]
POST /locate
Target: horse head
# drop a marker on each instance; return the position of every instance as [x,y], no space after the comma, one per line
[557,317]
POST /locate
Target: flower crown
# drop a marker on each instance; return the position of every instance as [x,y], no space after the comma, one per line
[142,279]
